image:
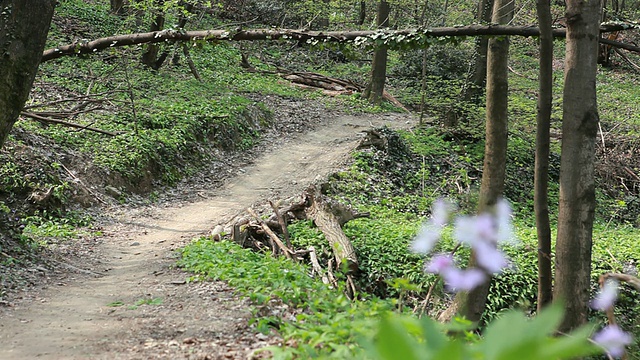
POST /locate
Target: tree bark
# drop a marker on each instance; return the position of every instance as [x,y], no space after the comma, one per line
[472,304]
[81,47]
[478,75]
[541,175]
[24,25]
[150,55]
[329,218]
[362,14]
[577,185]
[117,7]
[379,64]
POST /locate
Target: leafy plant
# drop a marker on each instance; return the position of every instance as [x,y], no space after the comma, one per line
[511,336]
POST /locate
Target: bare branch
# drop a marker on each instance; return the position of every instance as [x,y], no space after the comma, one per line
[65,123]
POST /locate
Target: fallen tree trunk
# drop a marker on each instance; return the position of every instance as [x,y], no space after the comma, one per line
[329,216]
[402,37]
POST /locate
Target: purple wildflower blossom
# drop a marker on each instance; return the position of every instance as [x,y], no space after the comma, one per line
[426,239]
[503,218]
[489,257]
[463,280]
[613,340]
[431,231]
[606,297]
[471,229]
[439,263]
[440,212]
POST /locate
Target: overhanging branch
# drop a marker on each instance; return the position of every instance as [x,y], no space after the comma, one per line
[399,38]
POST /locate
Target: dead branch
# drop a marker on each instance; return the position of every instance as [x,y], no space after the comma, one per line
[272,236]
[629,279]
[283,223]
[332,278]
[192,65]
[316,265]
[78,181]
[624,56]
[47,120]
[387,96]
[329,218]
[91,98]
[89,47]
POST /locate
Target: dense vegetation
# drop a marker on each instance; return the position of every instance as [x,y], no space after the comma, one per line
[170,125]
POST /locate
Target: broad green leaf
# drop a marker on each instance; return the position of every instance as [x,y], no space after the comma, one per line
[547,321]
[393,342]
[453,350]
[571,346]
[504,334]
[432,332]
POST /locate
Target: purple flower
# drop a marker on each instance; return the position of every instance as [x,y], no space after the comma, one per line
[503,219]
[463,280]
[489,257]
[440,212]
[606,297]
[439,263]
[471,229]
[426,239]
[613,340]
[430,232]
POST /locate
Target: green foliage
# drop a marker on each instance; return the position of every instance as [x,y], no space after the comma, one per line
[512,336]
[45,227]
[326,322]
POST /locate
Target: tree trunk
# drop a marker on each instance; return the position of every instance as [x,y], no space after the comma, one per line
[362,15]
[150,55]
[379,64]
[577,185]
[117,7]
[24,25]
[323,20]
[329,217]
[471,304]
[478,74]
[91,47]
[541,176]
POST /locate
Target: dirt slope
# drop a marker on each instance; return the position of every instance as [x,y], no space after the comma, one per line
[172,319]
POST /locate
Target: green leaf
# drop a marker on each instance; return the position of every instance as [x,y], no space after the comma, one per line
[547,321]
[393,342]
[574,345]
[433,334]
[453,350]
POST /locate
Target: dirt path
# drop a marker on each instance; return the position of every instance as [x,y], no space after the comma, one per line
[139,307]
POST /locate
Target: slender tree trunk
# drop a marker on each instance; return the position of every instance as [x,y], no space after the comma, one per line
[323,20]
[379,64]
[150,55]
[363,13]
[472,304]
[541,176]
[24,25]
[577,185]
[117,7]
[478,75]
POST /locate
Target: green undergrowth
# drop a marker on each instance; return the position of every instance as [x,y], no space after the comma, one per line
[314,319]
[399,185]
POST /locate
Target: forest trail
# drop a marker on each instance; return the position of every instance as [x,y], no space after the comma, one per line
[137,305]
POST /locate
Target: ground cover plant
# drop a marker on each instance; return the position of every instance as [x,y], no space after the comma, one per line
[168,125]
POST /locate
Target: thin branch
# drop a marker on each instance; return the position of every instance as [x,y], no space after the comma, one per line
[271,234]
[282,222]
[65,123]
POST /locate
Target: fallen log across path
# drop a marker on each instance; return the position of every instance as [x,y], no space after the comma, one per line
[264,234]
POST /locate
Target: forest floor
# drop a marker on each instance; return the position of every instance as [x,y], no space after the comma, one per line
[120,296]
